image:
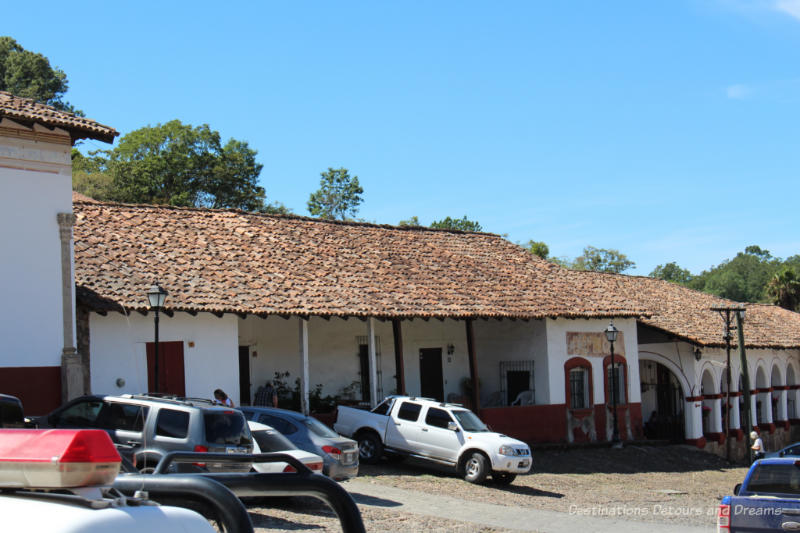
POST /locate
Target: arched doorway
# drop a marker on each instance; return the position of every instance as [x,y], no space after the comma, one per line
[662,402]
[762,398]
[791,404]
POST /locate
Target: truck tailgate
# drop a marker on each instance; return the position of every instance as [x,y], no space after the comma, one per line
[764,513]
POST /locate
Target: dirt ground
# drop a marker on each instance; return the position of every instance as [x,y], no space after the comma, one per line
[671,484]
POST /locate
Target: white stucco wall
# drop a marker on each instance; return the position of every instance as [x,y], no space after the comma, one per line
[35,185]
[557,330]
[118,350]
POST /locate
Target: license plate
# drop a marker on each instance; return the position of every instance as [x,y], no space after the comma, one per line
[235,450]
[349,457]
[523,464]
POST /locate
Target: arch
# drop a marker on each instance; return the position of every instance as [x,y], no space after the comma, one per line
[675,369]
[708,383]
[791,374]
[776,376]
[761,376]
[574,363]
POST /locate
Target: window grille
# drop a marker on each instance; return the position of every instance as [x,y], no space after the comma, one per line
[516,382]
[579,388]
[617,382]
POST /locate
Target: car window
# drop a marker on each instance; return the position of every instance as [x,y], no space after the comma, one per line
[272,441]
[775,479]
[319,429]
[226,427]
[82,414]
[437,417]
[384,407]
[281,424]
[11,413]
[409,411]
[172,423]
[125,417]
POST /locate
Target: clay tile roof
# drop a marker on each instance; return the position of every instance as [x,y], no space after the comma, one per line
[687,314]
[78,197]
[25,110]
[231,261]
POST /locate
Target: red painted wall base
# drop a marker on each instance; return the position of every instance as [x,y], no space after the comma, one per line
[39,387]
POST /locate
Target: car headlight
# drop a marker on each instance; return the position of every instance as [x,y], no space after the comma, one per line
[506,450]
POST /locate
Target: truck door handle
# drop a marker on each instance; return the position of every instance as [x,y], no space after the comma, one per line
[793,512]
[424,429]
[791,526]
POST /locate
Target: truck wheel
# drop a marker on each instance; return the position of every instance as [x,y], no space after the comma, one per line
[475,470]
[370,448]
[503,478]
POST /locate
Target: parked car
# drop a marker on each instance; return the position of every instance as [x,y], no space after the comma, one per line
[789,451]
[767,500]
[340,454]
[267,440]
[440,432]
[145,427]
[11,412]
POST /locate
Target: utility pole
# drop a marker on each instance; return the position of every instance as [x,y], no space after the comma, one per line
[745,381]
[726,313]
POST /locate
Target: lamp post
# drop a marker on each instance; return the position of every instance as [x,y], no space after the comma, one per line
[611,335]
[156,296]
[726,313]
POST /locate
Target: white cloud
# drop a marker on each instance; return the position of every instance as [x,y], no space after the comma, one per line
[790,7]
[738,91]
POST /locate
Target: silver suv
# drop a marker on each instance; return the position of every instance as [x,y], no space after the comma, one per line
[145,427]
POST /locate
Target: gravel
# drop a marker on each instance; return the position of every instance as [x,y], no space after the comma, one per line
[678,485]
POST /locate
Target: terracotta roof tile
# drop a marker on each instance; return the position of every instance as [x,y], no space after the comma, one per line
[687,313]
[26,110]
[231,261]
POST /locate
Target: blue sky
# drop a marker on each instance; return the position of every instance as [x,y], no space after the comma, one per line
[667,130]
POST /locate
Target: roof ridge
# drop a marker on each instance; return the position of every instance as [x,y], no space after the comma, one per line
[211,210]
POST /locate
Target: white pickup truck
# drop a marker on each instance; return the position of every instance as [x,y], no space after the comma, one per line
[441,432]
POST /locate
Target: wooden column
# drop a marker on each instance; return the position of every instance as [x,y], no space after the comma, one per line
[399,367]
[304,407]
[473,368]
[373,363]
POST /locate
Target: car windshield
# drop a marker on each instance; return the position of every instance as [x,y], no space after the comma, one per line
[227,427]
[469,421]
[269,440]
[319,429]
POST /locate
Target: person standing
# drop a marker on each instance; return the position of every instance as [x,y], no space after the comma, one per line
[222,398]
[757,447]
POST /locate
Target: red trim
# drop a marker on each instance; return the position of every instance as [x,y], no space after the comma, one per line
[38,387]
[735,394]
[700,443]
[738,434]
[550,422]
[762,391]
[794,387]
[712,396]
[794,421]
[623,363]
[578,362]
[719,438]
[694,399]
[767,427]
[781,387]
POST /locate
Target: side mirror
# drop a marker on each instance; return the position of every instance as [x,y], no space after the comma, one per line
[736,489]
[782,453]
[452,427]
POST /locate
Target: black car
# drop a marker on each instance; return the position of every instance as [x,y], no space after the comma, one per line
[11,412]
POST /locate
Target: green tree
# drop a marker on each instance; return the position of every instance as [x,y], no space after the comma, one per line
[90,178]
[672,272]
[784,289]
[176,164]
[413,221]
[538,248]
[462,224]
[338,196]
[602,260]
[743,278]
[30,75]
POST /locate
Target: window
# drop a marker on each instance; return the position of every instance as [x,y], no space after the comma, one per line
[126,417]
[579,388]
[616,383]
[171,423]
[81,415]
[409,411]
[516,382]
[437,418]
[226,428]
[281,424]
[384,407]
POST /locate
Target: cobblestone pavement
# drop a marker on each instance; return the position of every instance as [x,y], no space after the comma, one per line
[671,485]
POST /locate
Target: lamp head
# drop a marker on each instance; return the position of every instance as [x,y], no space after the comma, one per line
[156,296]
[611,332]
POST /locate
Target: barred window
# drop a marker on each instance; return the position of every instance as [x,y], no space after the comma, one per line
[616,383]
[579,388]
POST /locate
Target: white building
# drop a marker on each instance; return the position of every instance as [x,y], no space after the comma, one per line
[38,360]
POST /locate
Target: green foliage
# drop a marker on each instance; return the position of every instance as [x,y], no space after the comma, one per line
[743,278]
[602,260]
[89,177]
[413,221]
[289,397]
[784,288]
[29,74]
[463,224]
[672,272]
[538,248]
[338,196]
[176,164]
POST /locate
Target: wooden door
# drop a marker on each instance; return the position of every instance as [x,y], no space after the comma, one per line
[171,376]
[430,373]
[244,375]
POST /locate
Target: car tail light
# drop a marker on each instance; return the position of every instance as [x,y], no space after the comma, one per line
[724,517]
[315,467]
[57,458]
[333,451]
[289,468]
[201,449]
